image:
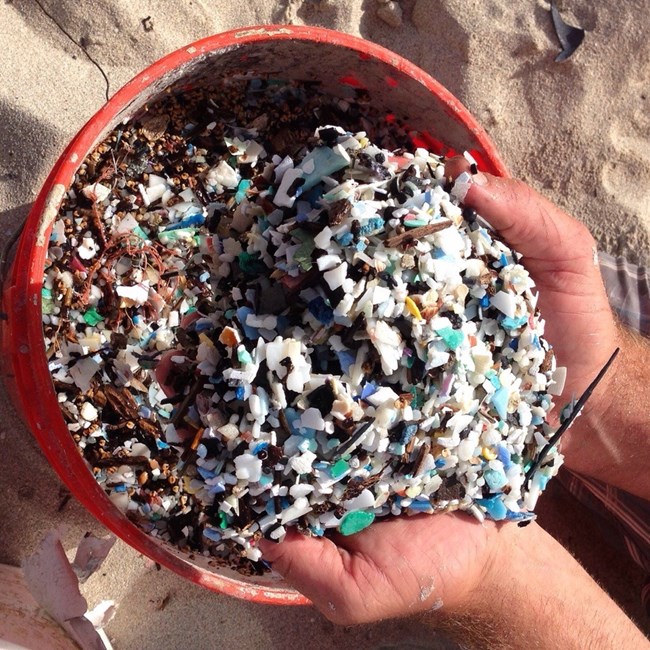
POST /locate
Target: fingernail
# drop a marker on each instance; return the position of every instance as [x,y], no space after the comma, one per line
[461,186]
[480,179]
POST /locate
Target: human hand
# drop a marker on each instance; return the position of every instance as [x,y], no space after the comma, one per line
[393,568]
[495,585]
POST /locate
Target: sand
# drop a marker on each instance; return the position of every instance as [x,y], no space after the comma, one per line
[578,131]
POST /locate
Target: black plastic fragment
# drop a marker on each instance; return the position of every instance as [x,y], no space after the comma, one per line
[570,37]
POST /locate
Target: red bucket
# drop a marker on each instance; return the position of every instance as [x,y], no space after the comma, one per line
[337,60]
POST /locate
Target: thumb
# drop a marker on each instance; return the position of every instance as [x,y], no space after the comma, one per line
[314,566]
[530,223]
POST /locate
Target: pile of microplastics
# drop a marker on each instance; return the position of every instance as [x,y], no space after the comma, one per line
[311,340]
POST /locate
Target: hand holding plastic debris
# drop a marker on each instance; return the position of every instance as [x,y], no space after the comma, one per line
[317,339]
[559,252]
[54,583]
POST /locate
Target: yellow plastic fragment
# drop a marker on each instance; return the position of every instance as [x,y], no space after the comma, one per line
[412,308]
[488,453]
[204,338]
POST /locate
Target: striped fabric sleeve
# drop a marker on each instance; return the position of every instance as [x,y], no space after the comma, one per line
[628,516]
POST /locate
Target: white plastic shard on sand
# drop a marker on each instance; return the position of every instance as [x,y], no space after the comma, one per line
[54,584]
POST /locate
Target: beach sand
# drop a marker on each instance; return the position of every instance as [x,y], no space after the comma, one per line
[579,132]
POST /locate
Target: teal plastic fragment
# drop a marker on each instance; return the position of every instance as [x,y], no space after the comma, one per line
[243,355]
[242,188]
[326,161]
[140,233]
[355,521]
[415,223]
[452,338]
[339,468]
[510,323]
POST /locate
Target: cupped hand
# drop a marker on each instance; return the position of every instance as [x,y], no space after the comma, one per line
[395,567]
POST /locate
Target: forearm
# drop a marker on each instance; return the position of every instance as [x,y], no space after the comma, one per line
[611,439]
[548,601]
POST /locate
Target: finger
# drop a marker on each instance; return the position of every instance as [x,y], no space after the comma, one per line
[456,166]
[314,566]
[530,223]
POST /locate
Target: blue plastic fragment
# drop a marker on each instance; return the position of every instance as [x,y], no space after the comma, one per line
[494,380]
[120,487]
[500,402]
[259,446]
[494,506]
[205,473]
[144,411]
[250,332]
[421,506]
[373,225]
[368,389]
[440,462]
[240,392]
[408,432]
[485,301]
[320,310]
[212,534]
[346,359]
[345,239]
[217,488]
[195,219]
[504,456]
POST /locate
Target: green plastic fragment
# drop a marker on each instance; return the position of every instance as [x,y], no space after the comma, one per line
[46,293]
[223,520]
[339,468]
[418,398]
[180,234]
[303,254]
[355,521]
[244,356]
[250,263]
[92,317]
[452,338]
